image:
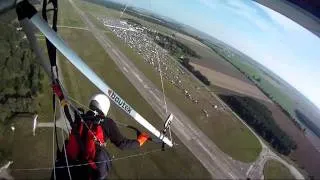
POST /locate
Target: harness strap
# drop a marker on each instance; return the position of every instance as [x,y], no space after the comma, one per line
[83,142]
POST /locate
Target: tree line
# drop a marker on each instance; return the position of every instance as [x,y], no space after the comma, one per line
[257,80]
[186,63]
[169,43]
[307,122]
[174,47]
[20,75]
[259,117]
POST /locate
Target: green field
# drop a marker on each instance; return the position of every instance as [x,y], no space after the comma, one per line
[261,79]
[148,166]
[67,16]
[99,10]
[37,151]
[30,151]
[152,165]
[222,125]
[223,128]
[20,146]
[275,170]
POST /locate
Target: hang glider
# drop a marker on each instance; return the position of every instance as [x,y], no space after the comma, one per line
[27,12]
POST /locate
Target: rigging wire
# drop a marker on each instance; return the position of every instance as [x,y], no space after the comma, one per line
[53,140]
[97,162]
[170,135]
[160,71]
[127,4]
[65,154]
[77,111]
[162,86]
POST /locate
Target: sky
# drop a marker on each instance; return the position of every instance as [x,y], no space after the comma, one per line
[280,44]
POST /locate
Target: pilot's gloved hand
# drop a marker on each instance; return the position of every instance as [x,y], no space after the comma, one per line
[142,138]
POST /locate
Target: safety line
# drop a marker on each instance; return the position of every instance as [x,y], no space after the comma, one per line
[53,140]
[97,162]
[127,4]
[65,155]
[162,86]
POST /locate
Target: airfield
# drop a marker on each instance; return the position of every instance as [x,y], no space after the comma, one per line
[212,141]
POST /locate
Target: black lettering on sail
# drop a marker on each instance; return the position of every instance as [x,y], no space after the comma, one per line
[113,95]
[120,102]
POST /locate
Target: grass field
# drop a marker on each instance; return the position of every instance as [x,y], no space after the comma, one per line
[227,132]
[265,83]
[275,170]
[154,165]
[216,127]
[26,150]
[30,151]
[68,17]
[98,10]
[211,59]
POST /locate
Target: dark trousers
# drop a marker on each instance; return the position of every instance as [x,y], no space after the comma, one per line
[103,163]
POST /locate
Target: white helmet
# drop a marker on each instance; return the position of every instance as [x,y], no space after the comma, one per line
[100,103]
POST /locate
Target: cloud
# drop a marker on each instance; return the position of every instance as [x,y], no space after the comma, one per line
[280,19]
[240,5]
[247,11]
[209,3]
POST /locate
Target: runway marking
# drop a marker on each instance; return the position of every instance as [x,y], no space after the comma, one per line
[119,57]
[116,53]
[146,86]
[124,62]
[125,69]
[249,170]
[206,149]
[181,129]
[138,77]
[195,133]
[151,92]
[117,27]
[73,27]
[231,175]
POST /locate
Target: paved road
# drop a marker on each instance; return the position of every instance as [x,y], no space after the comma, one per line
[213,159]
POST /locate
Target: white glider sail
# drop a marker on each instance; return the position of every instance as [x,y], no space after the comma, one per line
[93,77]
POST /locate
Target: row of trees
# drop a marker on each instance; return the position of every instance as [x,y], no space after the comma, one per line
[307,122]
[201,77]
[257,81]
[20,75]
[169,43]
[259,117]
[174,47]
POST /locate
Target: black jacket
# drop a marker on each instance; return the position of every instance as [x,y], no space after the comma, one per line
[111,131]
